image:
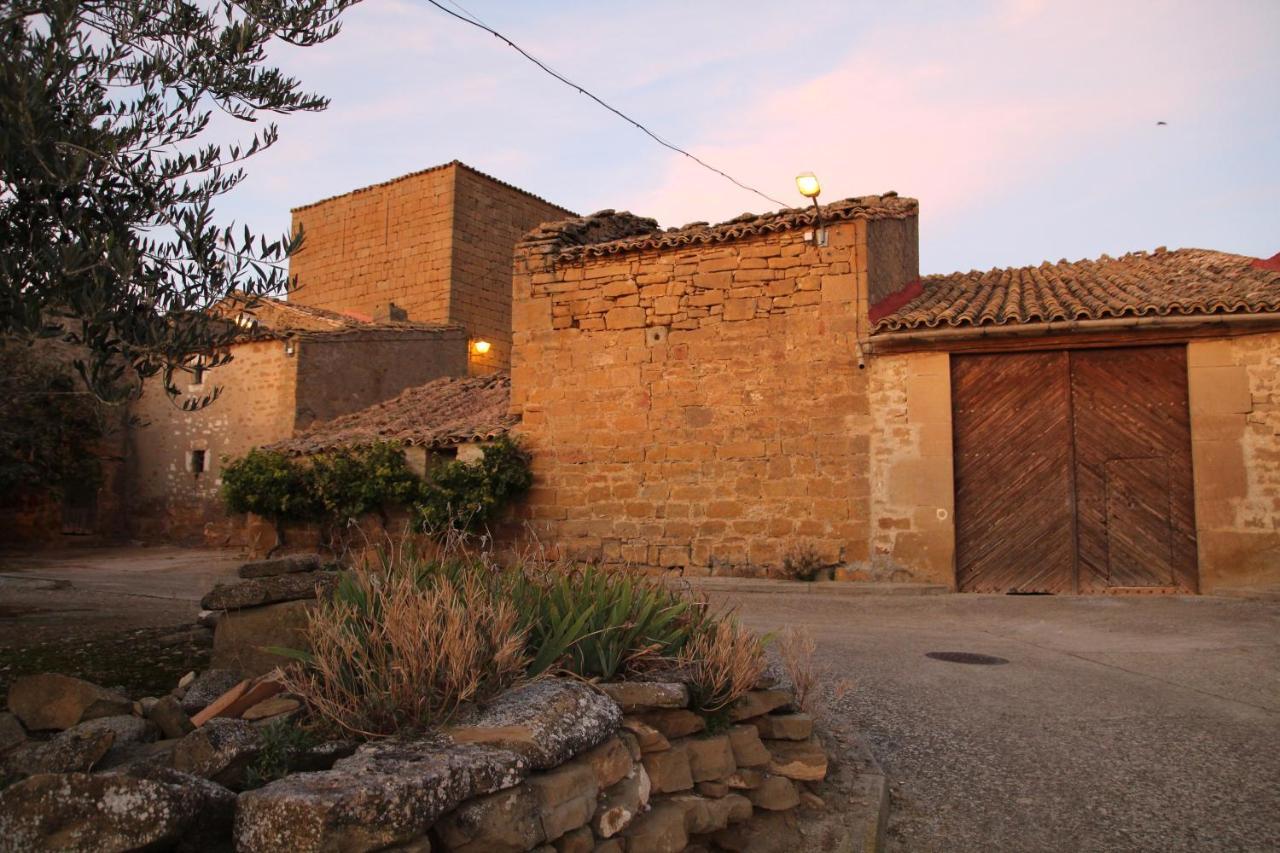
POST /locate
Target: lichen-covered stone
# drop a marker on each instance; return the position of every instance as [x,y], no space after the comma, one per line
[72,751]
[548,722]
[505,822]
[50,701]
[93,812]
[221,750]
[255,592]
[207,686]
[127,733]
[644,695]
[387,793]
[288,564]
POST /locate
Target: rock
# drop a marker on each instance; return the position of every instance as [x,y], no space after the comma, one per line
[241,640]
[258,592]
[81,811]
[759,702]
[715,790]
[273,707]
[566,797]
[11,733]
[169,717]
[186,680]
[702,816]
[388,793]
[645,695]
[674,723]
[669,770]
[72,751]
[613,845]
[748,751]
[649,738]
[207,686]
[660,831]
[505,822]
[288,564]
[579,841]
[776,793]
[805,761]
[784,726]
[744,779]
[766,832]
[611,761]
[147,756]
[220,750]
[127,733]
[812,801]
[58,702]
[548,722]
[208,618]
[621,803]
[710,758]
[322,756]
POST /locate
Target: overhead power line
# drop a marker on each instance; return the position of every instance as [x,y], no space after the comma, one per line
[475,22]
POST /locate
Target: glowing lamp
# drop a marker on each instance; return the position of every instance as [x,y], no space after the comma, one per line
[807,184]
[480,347]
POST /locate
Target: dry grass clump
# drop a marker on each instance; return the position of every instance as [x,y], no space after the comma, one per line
[815,688]
[722,663]
[391,652]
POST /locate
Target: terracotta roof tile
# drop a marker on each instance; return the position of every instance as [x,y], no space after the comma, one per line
[278,318]
[1181,282]
[442,413]
[608,232]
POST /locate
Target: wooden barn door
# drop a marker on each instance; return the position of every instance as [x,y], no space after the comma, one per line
[1073,471]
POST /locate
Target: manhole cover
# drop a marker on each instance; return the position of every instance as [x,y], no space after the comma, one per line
[966,657]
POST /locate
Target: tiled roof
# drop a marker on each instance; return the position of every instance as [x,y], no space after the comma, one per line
[278,318]
[1160,283]
[440,168]
[442,413]
[610,233]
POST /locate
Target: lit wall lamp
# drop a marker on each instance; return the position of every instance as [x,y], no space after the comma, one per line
[807,184]
[481,346]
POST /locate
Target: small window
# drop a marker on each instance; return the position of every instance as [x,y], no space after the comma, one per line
[196,461]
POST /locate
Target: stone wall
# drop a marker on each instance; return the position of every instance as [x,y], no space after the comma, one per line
[437,243]
[391,242]
[701,407]
[341,373]
[1234,388]
[257,406]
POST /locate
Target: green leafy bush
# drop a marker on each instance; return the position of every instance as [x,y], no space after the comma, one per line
[462,495]
[282,742]
[271,485]
[349,482]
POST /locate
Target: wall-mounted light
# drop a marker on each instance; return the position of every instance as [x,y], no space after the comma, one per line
[288,348]
[807,184]
[480,346]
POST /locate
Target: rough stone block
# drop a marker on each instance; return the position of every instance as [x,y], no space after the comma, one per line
[759,702]
[805,761]
[50,701]
[748,751]
[784,726]
[775,793]
[710,758]
[647,737]
[635,696]
[660,831]
[674,723]
[669,770]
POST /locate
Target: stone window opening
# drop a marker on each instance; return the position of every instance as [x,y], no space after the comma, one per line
[197,461]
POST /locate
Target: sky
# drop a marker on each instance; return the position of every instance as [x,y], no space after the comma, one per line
[1026,128]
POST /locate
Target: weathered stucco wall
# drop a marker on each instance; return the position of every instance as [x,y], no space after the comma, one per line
[1234,388]
[256,406]
[344,373]
[700,408]
[912,485]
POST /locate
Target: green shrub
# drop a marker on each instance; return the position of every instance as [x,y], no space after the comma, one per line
[464,495]
[350,482]
[282,742]
[269,484]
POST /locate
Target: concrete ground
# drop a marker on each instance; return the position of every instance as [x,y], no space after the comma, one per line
[1117,723]
[123,613]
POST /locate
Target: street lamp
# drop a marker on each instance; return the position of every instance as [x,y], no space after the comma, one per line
[807,184]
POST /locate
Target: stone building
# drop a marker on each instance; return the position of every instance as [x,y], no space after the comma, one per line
[716,399]
[296,365]
[436,244]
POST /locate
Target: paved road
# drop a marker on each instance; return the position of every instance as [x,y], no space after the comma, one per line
[1117,724]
